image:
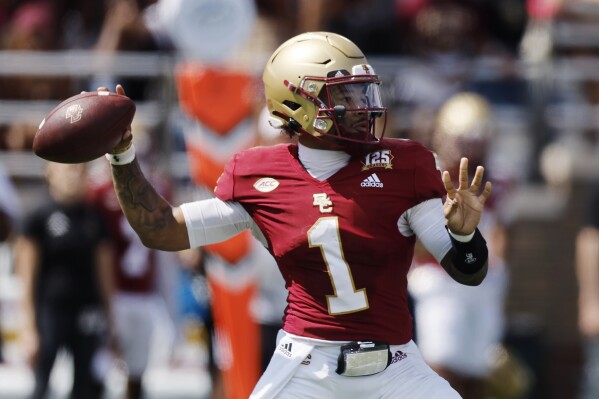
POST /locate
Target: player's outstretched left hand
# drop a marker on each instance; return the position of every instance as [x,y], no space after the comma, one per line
[463,206]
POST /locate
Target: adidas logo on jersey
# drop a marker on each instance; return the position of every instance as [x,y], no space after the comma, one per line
[372,181]
[398,356]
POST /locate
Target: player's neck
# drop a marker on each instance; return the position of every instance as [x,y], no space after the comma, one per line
[321,163]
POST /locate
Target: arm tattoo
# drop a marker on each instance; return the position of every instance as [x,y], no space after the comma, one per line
[144,207]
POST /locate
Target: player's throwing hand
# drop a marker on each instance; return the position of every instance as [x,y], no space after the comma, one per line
[127,138]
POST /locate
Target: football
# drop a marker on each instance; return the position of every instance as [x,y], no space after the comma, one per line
[83,127]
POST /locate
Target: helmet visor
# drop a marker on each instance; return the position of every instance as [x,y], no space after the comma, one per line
[352,103]
[348,103]
[355,96]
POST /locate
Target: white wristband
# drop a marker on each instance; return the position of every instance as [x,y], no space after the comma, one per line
[461,238]
[124,158]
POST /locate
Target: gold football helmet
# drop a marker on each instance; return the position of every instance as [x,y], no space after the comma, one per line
[464,128]
[320,83]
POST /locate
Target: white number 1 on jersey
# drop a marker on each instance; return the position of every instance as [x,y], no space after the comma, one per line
[325,234]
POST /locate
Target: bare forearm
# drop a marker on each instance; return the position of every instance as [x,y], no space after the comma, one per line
[150,215]
[587,264]
[26,267]
[105,258]
[587,273]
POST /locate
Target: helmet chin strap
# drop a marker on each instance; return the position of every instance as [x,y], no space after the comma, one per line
[291,123]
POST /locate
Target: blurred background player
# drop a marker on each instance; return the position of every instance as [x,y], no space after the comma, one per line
[458,327]
[64,257]
[196,321]
[10,215]
[10,208]
[587,271]
[139,301]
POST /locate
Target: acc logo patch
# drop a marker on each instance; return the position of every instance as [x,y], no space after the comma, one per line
[266,184]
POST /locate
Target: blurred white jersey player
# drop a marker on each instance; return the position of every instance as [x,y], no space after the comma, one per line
[457,326]
[142,322]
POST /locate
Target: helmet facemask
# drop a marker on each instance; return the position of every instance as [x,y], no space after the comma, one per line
[347,106]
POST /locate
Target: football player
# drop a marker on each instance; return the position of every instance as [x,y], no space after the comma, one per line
[63,258]
[587,271]
[138,304]
[340,212]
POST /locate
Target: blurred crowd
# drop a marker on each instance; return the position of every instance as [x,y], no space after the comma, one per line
[511,84]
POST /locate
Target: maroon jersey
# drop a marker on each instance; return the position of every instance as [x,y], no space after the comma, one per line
[337,241]
[135,263]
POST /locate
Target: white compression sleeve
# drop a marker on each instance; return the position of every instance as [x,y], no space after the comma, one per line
[212,220]
[427,221]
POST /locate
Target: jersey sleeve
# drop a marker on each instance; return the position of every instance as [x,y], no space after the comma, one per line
[428,183]
[212,220]
[225,185]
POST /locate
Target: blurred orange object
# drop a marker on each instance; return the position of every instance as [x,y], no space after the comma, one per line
[217,97]
[237,333]
[232,250]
